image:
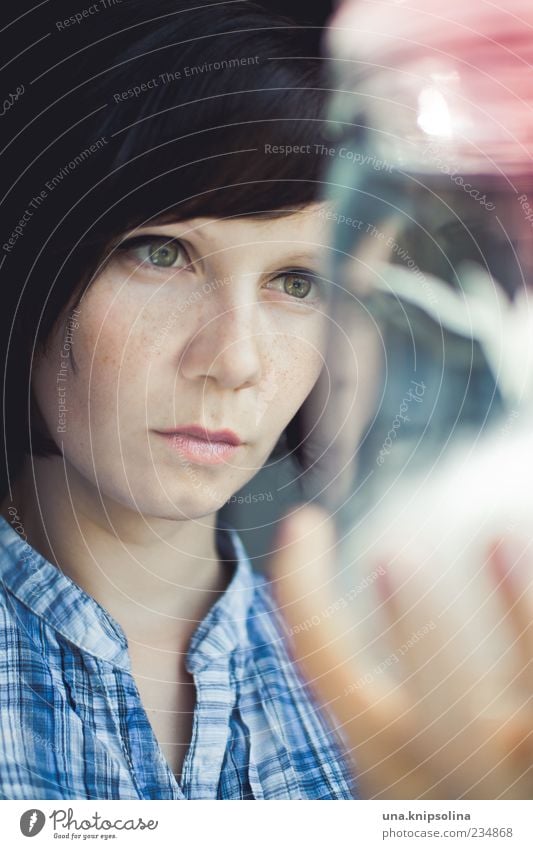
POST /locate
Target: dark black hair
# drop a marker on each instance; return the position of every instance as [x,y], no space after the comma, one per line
[129,113]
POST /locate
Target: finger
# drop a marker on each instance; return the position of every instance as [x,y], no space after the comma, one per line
[302,581]
[423,642]
[511,565]
[374,717]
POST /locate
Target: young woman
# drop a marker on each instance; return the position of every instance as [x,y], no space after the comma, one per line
[164,320]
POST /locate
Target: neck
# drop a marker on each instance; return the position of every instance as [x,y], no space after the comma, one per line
[156,577]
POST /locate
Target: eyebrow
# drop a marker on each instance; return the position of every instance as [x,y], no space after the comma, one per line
[304,258]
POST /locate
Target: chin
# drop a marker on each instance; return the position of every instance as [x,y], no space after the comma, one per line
[188,514]
[180,506]
[177,495]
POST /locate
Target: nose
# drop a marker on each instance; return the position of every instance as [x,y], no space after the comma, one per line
[227,342]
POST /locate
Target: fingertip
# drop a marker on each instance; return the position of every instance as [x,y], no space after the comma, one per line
[301,521]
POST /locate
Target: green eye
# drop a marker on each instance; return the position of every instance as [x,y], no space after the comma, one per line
[164,255]
[156,252]
[299,285]
[296,285]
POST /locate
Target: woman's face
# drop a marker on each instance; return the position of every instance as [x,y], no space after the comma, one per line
[207,322]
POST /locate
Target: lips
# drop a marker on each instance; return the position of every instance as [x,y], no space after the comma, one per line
[198,445]
[228,437]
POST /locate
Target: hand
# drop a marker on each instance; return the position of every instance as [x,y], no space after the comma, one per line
[441,715]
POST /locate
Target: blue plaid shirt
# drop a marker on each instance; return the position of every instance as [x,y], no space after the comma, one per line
[72,725]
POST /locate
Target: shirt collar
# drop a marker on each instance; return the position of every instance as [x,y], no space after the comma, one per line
[224,628]
[81,620]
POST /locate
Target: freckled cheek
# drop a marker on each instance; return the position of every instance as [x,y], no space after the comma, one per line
[296,369]
[112,369]
[119,323]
